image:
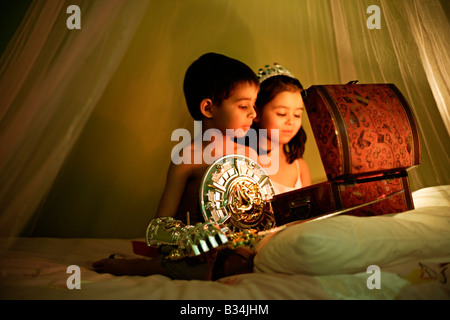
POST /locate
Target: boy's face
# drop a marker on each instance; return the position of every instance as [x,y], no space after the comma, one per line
[237,111]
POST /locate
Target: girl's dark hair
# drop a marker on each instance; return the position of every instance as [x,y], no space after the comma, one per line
[269,89]
[214,76]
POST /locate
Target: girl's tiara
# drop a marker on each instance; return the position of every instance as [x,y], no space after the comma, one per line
[275,70]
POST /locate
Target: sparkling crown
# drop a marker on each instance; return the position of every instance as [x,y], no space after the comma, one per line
[275,70]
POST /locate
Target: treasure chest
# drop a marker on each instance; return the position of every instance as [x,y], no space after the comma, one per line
[367,138]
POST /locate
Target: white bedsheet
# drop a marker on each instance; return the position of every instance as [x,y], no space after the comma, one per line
[36,268]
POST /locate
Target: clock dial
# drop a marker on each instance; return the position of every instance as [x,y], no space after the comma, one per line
[236,191]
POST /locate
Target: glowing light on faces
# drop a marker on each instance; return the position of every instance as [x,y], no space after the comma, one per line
[284,112]
[236,113]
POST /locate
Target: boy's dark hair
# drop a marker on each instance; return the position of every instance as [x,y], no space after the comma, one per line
[214,76]
[271,87]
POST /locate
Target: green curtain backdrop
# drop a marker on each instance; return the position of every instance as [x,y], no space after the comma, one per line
[123,71]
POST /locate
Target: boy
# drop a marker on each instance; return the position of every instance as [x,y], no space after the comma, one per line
[221,93]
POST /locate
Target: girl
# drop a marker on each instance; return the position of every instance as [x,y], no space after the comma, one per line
[280,106]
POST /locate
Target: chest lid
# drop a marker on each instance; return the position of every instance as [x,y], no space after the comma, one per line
[362,129]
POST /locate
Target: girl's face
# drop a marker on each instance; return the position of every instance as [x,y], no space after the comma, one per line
[284,112]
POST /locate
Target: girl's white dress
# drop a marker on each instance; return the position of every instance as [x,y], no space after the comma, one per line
[279,188]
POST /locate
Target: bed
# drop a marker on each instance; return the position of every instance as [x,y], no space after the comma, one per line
[393,257]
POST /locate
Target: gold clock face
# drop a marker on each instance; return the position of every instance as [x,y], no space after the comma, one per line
[236,191]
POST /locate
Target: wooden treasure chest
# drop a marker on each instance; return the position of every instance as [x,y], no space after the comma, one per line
[367,138]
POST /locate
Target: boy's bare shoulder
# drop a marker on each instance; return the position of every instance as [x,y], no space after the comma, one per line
[181,171]
[190,166]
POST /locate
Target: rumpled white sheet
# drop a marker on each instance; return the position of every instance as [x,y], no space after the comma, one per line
[36,268]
